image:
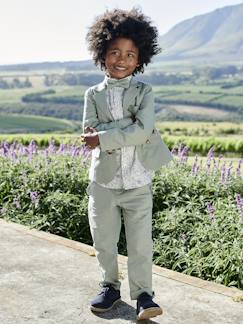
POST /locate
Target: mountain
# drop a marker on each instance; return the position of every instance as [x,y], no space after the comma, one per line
[68,66]
[213,36]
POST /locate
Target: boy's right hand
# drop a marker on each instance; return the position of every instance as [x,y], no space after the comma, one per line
[88,130]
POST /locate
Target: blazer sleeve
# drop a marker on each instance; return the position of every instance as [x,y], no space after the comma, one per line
[134,134]
[90,117]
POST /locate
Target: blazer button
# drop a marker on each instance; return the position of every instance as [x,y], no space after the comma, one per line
[148,141]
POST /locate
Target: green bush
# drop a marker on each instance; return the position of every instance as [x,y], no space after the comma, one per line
[60,183]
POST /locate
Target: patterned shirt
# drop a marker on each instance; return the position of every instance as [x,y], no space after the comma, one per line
[131,173]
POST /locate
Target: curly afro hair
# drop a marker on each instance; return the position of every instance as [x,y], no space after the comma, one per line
[131,24]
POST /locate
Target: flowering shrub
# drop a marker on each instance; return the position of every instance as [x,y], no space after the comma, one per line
[198,218]
[46,188]
[197,210]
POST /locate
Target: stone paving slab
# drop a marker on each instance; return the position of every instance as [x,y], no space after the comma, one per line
[48,279]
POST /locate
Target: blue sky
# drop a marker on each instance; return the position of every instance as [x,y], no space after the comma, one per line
[54,30]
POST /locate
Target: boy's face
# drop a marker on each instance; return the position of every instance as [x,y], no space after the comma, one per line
[121,58]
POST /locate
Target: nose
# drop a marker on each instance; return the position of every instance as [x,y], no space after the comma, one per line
[122,58]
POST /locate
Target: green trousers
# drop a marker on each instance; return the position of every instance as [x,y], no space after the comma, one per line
[105,208]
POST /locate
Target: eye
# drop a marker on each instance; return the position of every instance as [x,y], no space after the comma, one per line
[114,52]
[130,55]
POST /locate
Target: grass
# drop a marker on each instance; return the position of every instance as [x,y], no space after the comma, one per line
[204,128]
[231,100]
[42,138]
[14,95]
[63,91]
[201,94]
[197,110]
[8,96]
[29,124]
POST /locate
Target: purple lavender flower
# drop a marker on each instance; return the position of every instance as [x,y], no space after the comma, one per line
[218,162]
[211,211]
[195,166]
[180,148]
[214,165]
[223,170]
[13,155]
[62,148]
[210,157]
[25,151]
[239,202]
[183,237]
[14,145]
[6,147]
[75,151]
[238,170]
[35,197]
[229,170]
[183,153]
[208,165]
[85,151]
[33,147]
[210,154]
[52,147]
[16,202]
[174,151]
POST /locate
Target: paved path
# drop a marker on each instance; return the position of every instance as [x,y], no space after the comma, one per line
[47,279]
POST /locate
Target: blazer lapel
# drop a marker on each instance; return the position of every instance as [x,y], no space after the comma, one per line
[100,98]
[130,94]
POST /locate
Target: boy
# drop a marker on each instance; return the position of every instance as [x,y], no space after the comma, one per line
[118,123]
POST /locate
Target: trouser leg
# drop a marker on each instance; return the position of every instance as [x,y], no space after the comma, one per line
[105,226]
[137,211]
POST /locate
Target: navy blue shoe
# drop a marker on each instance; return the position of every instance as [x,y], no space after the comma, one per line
[106,299]
[146,308]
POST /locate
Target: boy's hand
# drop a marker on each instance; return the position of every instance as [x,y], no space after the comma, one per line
[90,137]
[91,140]
[90,130]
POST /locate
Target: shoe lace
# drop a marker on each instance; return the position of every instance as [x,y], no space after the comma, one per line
[105,290]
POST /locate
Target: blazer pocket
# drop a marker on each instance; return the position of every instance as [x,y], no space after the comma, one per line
[105,166]
[154,153]
[154,138]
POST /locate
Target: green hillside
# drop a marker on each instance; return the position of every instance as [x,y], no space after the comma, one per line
[15,123]
[226,104]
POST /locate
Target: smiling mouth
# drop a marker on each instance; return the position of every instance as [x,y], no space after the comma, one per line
[119,68]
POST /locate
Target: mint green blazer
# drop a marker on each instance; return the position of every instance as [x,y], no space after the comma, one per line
[138,100]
